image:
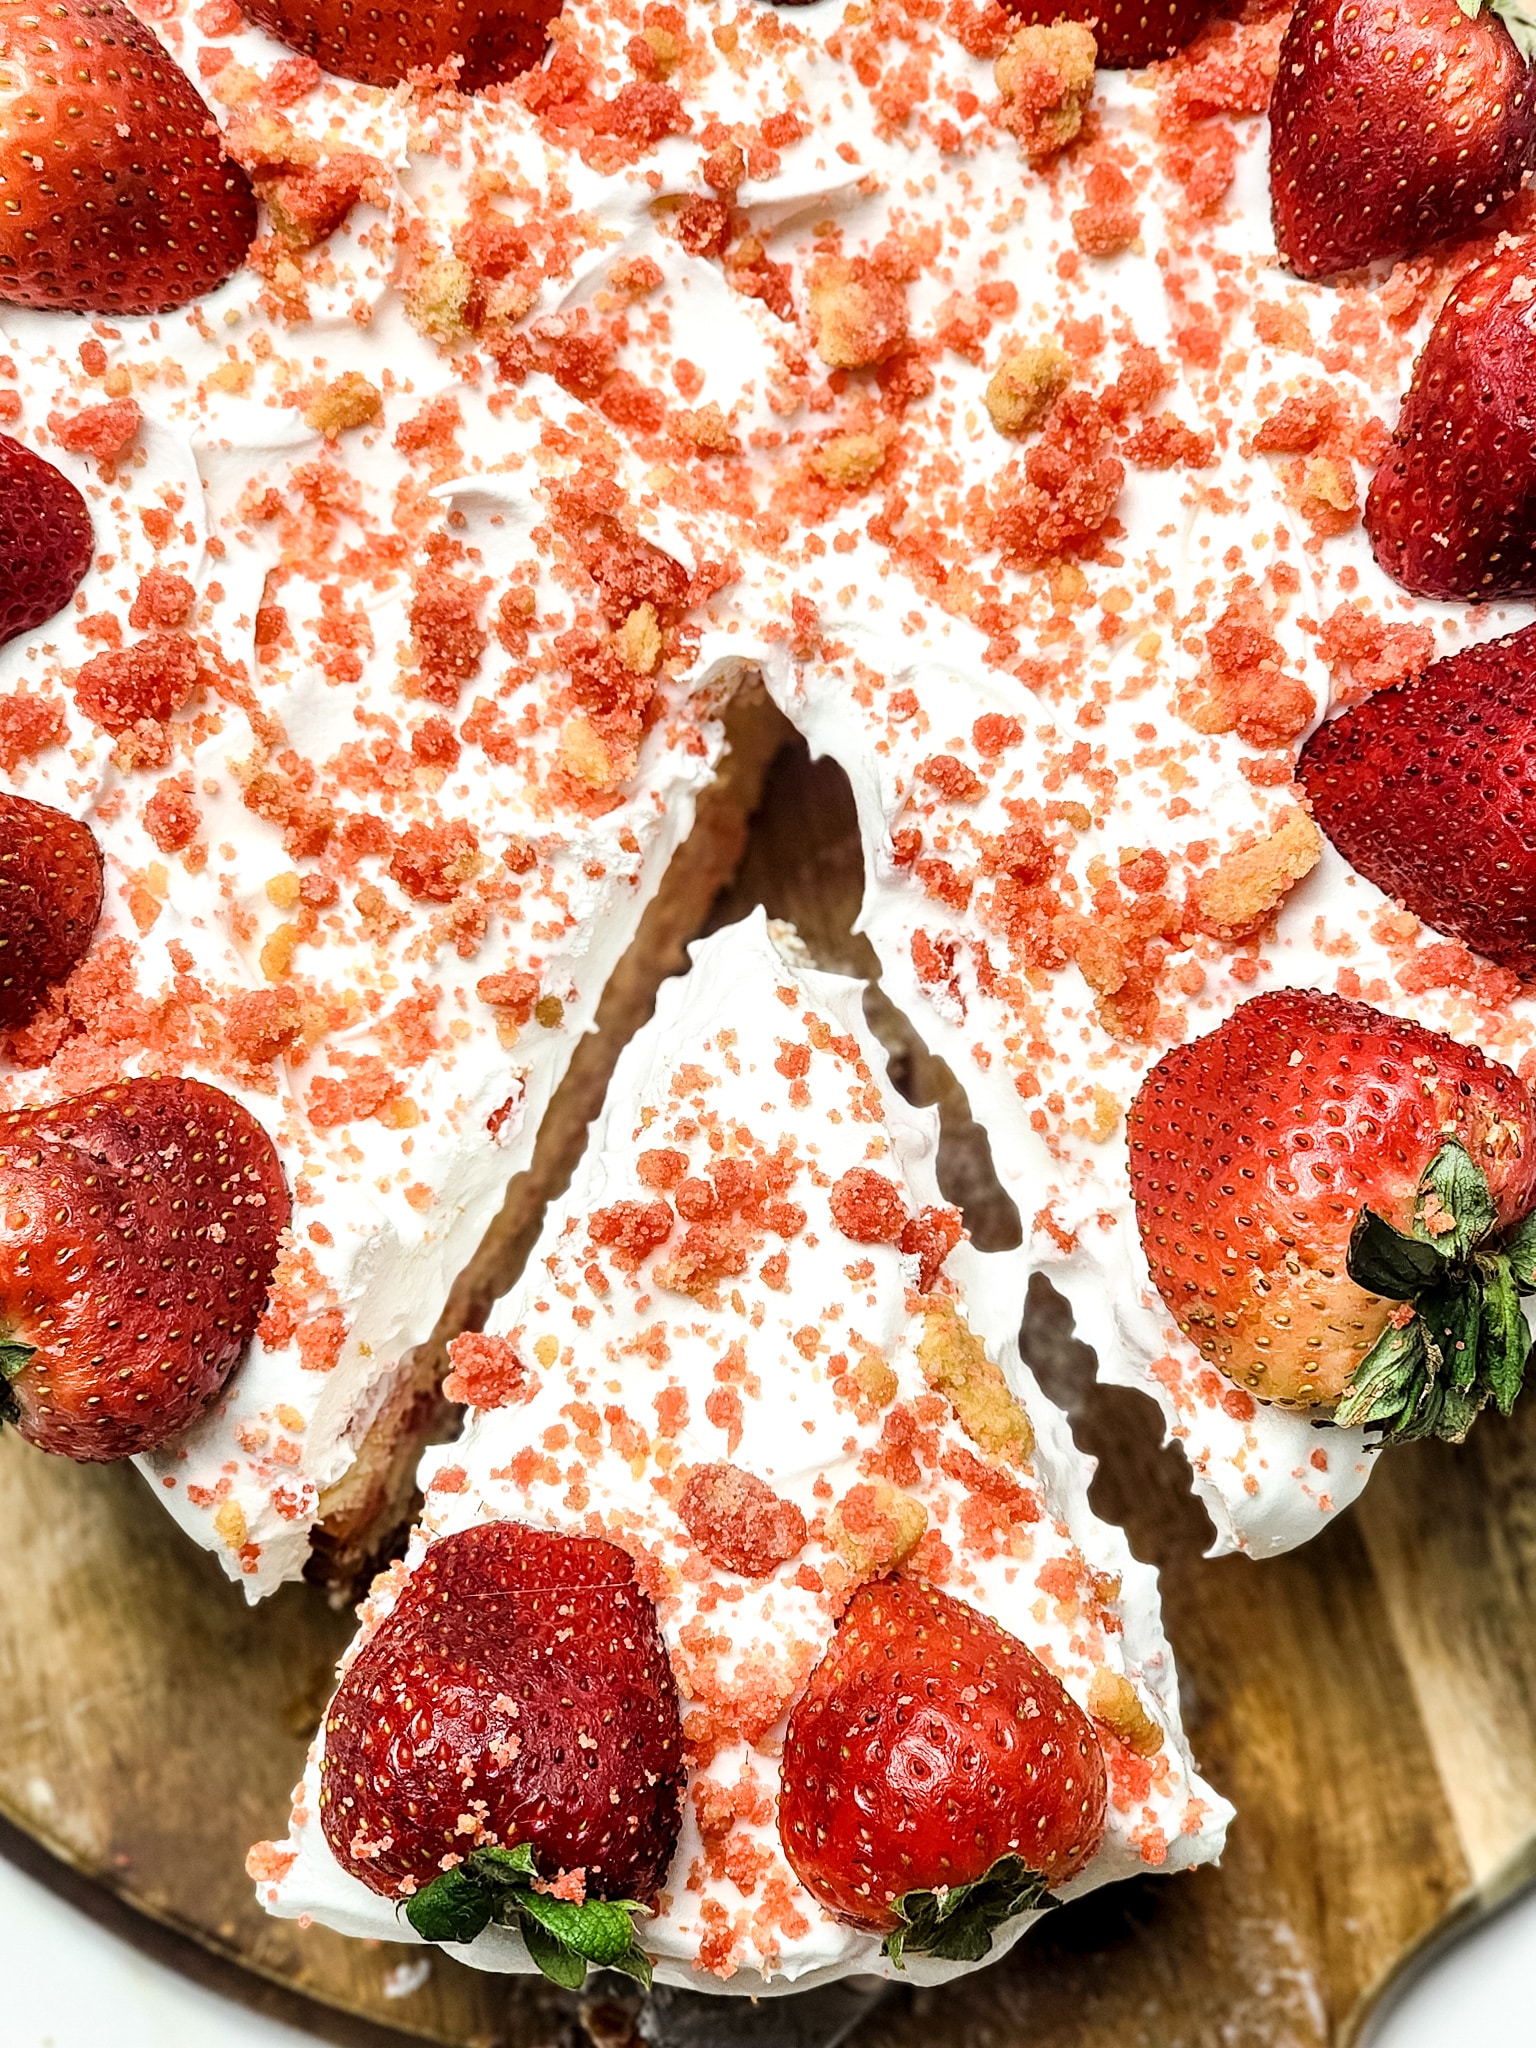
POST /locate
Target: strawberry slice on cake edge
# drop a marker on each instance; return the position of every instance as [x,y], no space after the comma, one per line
[753,1356]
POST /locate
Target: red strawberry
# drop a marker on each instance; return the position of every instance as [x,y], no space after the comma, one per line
[379,45]
[936,1777]
[1129,33]
[520,1684]
[1393,127]
[118,195]
[50,899]
[138,1233]
[1452,510]
[1321,1192]
[1429,791]
[46,539]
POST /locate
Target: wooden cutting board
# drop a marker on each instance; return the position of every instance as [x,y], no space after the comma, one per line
[1366,1702]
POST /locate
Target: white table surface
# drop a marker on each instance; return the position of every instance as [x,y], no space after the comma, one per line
[69,1983]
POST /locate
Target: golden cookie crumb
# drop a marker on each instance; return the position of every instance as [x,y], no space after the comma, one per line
[1246,888]
[639,641]
[858,317]
[1113,1700]
[849,461]
[346,402]
[955,1364]
[1045,76]
[874,1526]
[1025,386]
[435,304]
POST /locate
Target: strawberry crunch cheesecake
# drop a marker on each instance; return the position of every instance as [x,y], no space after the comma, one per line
[758,1629]
[407,457]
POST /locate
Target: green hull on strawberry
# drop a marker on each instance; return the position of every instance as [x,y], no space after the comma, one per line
[1334,1205]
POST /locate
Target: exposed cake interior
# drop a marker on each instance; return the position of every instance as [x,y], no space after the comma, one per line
[754,1267]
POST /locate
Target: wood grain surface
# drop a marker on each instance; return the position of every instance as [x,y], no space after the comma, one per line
[1365,1702]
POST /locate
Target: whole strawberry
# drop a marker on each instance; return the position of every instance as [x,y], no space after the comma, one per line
[50,899]
[1451,511]
[1329,1198]
[519,1684]
[936,1777]
[1429,791]
[381,45]
[46,539]
[1129,33]
[118,195]
[1393,126]
[139,1228]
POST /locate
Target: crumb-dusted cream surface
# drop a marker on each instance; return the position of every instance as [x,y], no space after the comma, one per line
[963,385]
[388,697]
[751,1348]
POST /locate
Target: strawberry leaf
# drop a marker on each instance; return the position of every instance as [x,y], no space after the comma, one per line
[1385,1261]
[597,1931]
[1455,1210]
[956,1922]
[14,1358]
[1388,1380]
[561,1965]
[1505,1342]
[1519,18]
[1520,1250]
[1452,1319]
[563,1936]
[454,1907]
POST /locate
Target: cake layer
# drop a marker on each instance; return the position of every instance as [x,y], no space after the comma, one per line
[785,1331]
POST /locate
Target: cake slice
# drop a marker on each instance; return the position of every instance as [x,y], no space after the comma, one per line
[756,1388]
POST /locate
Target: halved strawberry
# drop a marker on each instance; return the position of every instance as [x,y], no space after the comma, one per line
[507,1746]
[139,1228]
[1129,33]
[1451,511]
[1330,1201]
[1393,126]
[1429,791]
[50,899]
[118,197]
[381,45]
[46,539]
[936,1777]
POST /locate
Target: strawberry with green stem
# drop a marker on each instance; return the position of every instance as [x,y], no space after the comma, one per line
[1395,126]
[507,1748]
[1333,1204]
[936,1779]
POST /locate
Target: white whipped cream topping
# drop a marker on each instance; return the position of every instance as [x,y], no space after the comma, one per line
[753,1055]
[390,1206]
[892,675]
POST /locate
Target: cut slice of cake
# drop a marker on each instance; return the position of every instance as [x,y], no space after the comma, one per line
[756,1388]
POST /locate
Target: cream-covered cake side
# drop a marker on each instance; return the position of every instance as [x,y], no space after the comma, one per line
[765,1335]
